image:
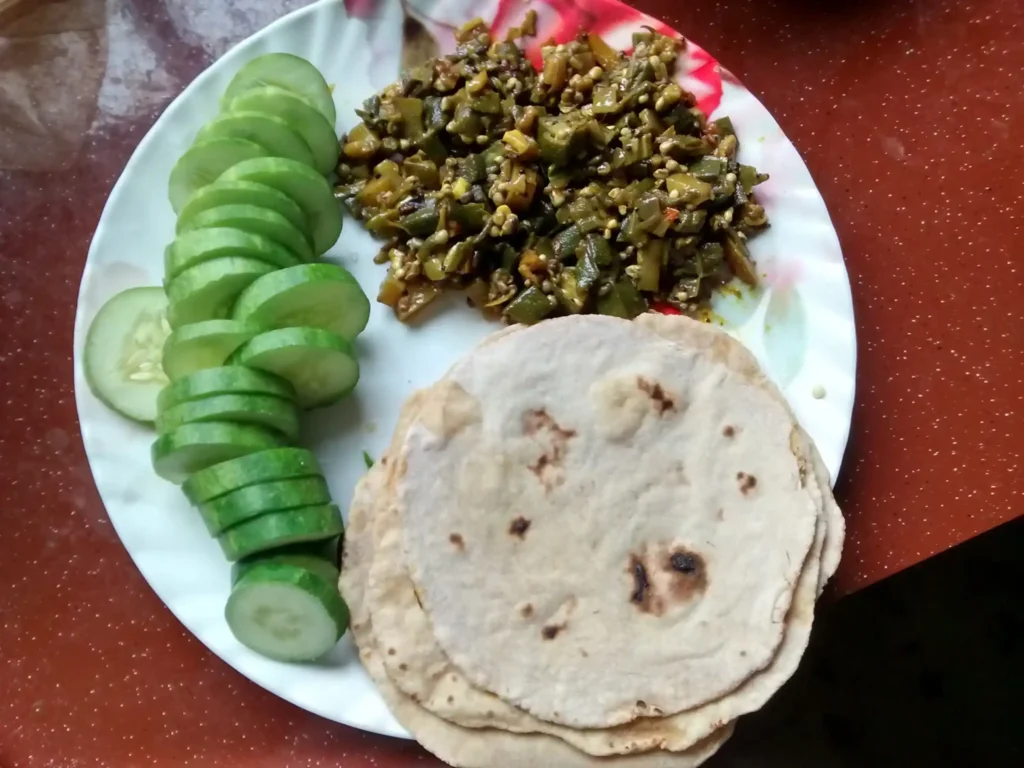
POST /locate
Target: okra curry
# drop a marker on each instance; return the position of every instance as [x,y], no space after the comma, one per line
[593,185]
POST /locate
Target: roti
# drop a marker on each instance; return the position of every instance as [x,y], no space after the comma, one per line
[514,469]
[419,668]
[463,747]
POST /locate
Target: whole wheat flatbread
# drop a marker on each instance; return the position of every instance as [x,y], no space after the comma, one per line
[733,354]
[419,668]
[461,747]
[604,394]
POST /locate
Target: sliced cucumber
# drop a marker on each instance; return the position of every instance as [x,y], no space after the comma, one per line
[257,221]
[319,364]
[204,162]
[221,193]
[300,116]
[193,447]
[277,529]
[311,295]
[208,290]
[275,413]
[227,380]
[320,557]
[262,467]
[286,612]
[197,246]
[304,185]
[286,71]
[252,501]
[270,132]
[122,352]
[202,345]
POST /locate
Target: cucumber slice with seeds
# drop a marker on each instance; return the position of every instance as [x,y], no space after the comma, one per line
[221,193]
[287,71]
[255,500]
[300,116]
[198,246]
[202,345]
[204,162]
[121,360]
[304,185]
[262,467]
[310,295]
[253,220]
[208,290]
[192,447]
[320,365]
[227,380]
[286,612]
[267,411]
[270,132]
[277,529]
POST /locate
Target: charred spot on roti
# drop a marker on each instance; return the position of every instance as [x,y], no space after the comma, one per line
[728,431]
[684,562]
[720,514]
[526,611]
[660,399]
[540,425]
[403,667]
[643,595]
[550,631]
[640,582]
[519,527]
[457,541]
[747,482]
[392,651]
[641,704]
[689,574]
[451,699]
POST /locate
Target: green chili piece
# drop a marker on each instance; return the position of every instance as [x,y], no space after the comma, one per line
[690,222]
[709,258]
[529,307]
[570,295]
[688,188]
[738,256]
[457,255]
[565,242]
[723,127]
[708,168]
[650,259]
[421,222]
[599,250]
[622,300]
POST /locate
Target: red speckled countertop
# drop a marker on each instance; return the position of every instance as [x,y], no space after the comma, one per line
[908,114]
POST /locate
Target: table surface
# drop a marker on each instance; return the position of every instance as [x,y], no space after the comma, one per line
[908,114]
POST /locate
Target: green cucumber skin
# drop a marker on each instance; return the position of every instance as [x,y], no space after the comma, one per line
[320,566]
[268,411]
[225,380]
[277,529]
[193,447]
[262,467]
[253,501]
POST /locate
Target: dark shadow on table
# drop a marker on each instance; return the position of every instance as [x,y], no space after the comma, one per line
[923,669]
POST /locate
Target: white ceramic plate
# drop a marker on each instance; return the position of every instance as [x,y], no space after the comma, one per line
[800,326]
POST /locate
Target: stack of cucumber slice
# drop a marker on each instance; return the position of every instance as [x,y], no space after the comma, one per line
[249,329]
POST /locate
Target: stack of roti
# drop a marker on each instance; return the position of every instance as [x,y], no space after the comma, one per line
[594,542]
